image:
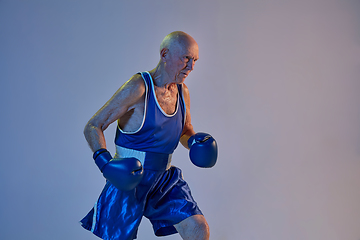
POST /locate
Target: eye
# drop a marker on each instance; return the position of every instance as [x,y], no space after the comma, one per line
[187,59]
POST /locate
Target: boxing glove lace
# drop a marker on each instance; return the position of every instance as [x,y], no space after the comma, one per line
[203,150]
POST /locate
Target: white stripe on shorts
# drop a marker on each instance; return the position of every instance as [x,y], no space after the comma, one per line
[94,218]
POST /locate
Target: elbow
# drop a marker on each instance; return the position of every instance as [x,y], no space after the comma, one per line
[93,126]
[88,128]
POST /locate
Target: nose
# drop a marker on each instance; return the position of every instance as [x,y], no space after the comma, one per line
[190,64]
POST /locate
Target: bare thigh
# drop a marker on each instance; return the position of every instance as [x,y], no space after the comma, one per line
[193,228]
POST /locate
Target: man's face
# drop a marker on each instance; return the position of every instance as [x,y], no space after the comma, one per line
[182,61]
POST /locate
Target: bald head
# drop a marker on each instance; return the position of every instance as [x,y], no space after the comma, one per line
[175,40]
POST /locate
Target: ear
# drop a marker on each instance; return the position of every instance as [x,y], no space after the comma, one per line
[164,54]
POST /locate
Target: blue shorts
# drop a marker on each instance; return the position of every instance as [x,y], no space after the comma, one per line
[162,196]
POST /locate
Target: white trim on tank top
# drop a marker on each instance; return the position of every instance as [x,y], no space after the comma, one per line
[157,104]
[145,108]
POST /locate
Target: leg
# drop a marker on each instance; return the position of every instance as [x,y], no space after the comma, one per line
[193,228]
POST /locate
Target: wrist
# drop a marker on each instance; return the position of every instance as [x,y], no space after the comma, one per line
[191,141]
[102,157]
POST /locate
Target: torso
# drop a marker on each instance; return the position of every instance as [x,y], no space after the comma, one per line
[167,99]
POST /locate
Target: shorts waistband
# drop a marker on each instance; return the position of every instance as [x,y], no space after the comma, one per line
[149,160]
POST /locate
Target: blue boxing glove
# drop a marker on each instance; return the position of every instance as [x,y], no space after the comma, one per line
[203,150]
[124,173]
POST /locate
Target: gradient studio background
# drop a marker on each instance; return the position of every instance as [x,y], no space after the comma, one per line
[277,85]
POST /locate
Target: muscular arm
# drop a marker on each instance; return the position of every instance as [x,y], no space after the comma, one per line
[188,130]
[125,97]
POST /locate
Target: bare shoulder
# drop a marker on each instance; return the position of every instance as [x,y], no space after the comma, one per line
[135,86]
[185,88]
[130,92]
[186,94]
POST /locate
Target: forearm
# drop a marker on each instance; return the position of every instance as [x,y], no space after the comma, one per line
[95,137]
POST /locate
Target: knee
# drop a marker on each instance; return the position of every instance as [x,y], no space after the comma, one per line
[194,227]
[203,230]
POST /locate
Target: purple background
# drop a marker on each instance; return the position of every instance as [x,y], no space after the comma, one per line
[277,85]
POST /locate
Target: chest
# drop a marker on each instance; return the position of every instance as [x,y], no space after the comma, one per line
[167,99]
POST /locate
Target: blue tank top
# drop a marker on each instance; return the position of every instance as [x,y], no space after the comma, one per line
[159,132]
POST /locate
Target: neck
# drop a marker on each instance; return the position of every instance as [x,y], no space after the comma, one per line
[160,77]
